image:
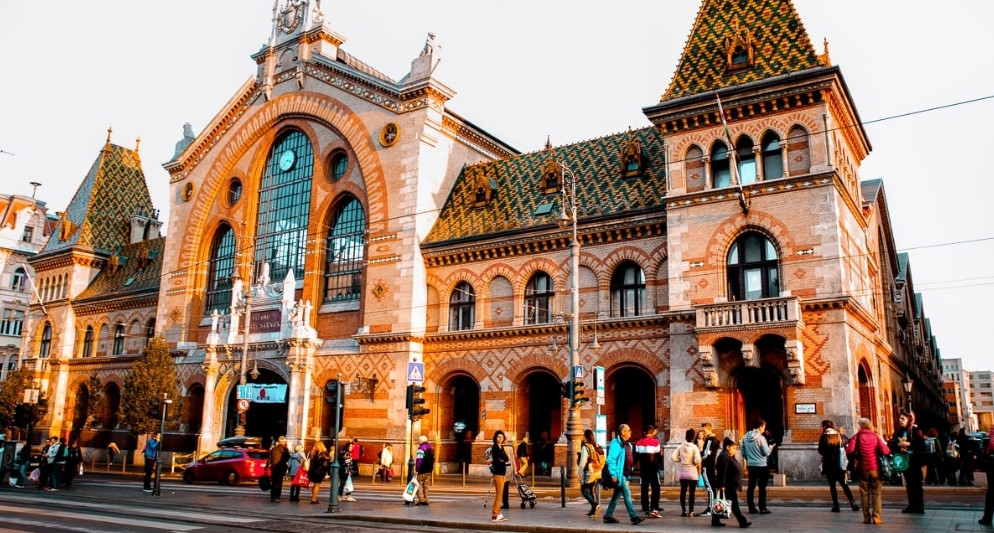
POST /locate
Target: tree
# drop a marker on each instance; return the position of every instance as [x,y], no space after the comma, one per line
[95,401]
[152,376]
[12,394]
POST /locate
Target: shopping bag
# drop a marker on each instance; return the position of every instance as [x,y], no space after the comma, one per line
[700,481]
[721,507]
[35,475]
[410,490]
[300,479]
[348,485]
[899,462]
[264,481]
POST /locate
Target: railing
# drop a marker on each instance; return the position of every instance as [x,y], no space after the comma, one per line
[181,459]
[749,312]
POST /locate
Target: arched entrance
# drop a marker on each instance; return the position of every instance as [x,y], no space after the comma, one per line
[761,394]
[459,403]
[632,400]
[263,419]
[112,402]
[194,416]
[79,415]
[540,416]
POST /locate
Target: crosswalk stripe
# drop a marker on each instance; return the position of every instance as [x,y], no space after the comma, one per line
[103,519]
[164,513]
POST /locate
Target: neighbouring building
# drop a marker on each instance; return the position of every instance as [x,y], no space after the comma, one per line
[334,225]
[953,372]
[982,398]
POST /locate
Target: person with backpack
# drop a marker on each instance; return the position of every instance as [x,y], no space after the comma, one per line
[933,457]
[424,464]
[590,462]
[498,468]
[648,450]
[833,464]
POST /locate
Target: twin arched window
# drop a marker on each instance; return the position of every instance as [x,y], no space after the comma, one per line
[753,268]
[462,307]
[628,291]
[748,169]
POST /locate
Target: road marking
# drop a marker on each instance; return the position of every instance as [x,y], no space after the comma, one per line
[95,518]
[164,513]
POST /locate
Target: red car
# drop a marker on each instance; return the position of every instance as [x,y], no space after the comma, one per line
[228,465]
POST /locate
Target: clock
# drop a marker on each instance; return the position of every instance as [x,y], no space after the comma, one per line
[287,159]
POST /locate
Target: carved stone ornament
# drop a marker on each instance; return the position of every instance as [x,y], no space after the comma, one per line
[389,134]
[290,17]
[740,51]
[187,192]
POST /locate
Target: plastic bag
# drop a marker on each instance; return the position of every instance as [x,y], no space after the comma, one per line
[410,490]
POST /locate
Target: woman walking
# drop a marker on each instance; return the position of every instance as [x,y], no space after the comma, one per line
[498,467]
[728,480]
[832,454]
[292,467]
[688,455]
[319,462]
[863,448]
[590,464]
[386,463]
[909,439]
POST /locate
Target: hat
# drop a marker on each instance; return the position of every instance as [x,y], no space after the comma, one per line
[422,438]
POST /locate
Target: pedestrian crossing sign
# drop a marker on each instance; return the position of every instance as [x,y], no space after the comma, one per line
[415,372]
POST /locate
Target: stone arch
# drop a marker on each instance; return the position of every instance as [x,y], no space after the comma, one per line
[458,399]
[734,226]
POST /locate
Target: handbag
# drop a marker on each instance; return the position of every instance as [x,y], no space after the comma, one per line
[900,461]
[264,481]
[700,481]
[721,507]
[348,485]
[300,479]
[606,478]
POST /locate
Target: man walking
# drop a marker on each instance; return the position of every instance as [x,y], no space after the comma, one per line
[709,456]
[151,454]
[648,449]
[279,459]
[424,463]
[757,451]
[620,461]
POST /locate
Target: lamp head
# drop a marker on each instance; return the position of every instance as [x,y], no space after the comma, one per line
[564,219]
[908,384]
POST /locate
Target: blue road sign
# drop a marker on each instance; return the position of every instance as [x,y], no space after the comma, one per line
[415,372]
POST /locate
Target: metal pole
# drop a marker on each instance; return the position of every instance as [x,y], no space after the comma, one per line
[240,429]
[158,449]
[333,506]
[574,426]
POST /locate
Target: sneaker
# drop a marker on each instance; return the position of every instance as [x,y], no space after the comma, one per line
[146,490]
[499,518]
[653,514]
[610,520]
[764,511]
[637,520]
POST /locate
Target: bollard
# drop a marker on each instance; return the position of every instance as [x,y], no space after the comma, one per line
[333,506]
[562,485]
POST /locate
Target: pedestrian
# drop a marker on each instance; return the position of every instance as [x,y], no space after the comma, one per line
[756,452]
[498,467]
[933,457]
[424,464]
[522,453]
[543,454]
[952,463]
[150,453]
[279,457]
[985,520]
[864,447]
[319,462]
[648,450]
[464,450]
[688,457]
[620,463]
[386,462]
[728,480]
[74,457]
[293,465]
[908,438]
[590,463]
[21,463]
[358,452]
[709,455]
[61,451]
[345,472]
[968,451]
[833,454]
[45,464]
[112,451]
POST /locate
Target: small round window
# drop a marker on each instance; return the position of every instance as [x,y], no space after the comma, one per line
[339,164]
[234,191]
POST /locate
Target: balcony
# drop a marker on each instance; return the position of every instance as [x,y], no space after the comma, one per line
[784,311]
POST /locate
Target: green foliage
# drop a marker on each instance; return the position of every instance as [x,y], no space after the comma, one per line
[151,377]
[95,401]
[12,394]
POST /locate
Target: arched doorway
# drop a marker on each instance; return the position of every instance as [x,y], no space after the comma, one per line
[263,419]
[459,406]
[80,403]
[761,393]
[112,402]
[632,400]
[194,416]
[540,416]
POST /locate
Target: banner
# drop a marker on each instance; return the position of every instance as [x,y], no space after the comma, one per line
[265,392]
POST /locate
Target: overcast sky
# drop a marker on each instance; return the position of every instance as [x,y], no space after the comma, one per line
[524,70]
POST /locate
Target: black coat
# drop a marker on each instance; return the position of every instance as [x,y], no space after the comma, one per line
[729,471]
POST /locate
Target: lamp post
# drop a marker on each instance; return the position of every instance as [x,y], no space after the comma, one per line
[567,217]
[908,385]
[242,380]
[158,450]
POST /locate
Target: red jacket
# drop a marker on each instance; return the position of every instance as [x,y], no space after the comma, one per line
[870,444]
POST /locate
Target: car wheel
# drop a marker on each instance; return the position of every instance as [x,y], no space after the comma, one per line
[189,477]
[231,478]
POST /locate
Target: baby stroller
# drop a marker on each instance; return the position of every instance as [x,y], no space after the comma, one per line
[527,495]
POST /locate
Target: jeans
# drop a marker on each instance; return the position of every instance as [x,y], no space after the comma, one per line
[913,485]
[621,490]
[871,494]
[840,478]
[687,485]
[589,493]
[758,475]
[149,470]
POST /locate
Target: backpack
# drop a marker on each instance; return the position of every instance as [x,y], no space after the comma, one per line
[489,459]
[952,450]
[930,445]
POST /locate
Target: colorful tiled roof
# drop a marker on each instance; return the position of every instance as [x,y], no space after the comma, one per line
[772,29]
[138,269]
[97,216]
[520,202]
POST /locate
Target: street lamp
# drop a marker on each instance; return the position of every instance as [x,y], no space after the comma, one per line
[568,217]
[242,380]
[908,385]
[158,449]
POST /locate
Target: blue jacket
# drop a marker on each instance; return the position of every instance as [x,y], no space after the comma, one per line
[755,449]
[151,448]
[616,458]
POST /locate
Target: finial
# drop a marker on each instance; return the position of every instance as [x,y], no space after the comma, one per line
[138,141]
[109,130]
[548,142]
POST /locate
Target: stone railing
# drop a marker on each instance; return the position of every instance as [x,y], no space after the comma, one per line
[748,313]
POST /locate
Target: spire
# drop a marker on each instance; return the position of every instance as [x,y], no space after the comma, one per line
[732,43]
[107,144]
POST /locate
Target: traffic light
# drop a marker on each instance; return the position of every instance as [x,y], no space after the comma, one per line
[579,397]
[566,390]
[414,402]
[332,389]
[154,409]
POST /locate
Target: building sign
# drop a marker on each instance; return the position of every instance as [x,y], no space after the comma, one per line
[264,392]
[266,321]
[804,408]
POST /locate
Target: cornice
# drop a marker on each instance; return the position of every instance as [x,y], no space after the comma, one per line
[601,326]
[752,190]
[491,247]
[844,303]
[470,136]
[68,257]
[388,338]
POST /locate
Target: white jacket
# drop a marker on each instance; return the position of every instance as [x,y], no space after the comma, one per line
[689,457]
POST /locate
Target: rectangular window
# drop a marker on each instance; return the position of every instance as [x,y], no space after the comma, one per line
[753,284]
[29,233]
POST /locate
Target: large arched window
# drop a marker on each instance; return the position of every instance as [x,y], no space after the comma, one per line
[538,299]
[772,157]
[19,282]
[628,291]
[285,206]
[45,348]
[721,170]
[345,252]
[462,307]
[753,268]
[118,340]
[219,270]
[87,342]
[746,160]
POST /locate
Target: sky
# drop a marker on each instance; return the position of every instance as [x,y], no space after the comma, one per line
[920,73]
